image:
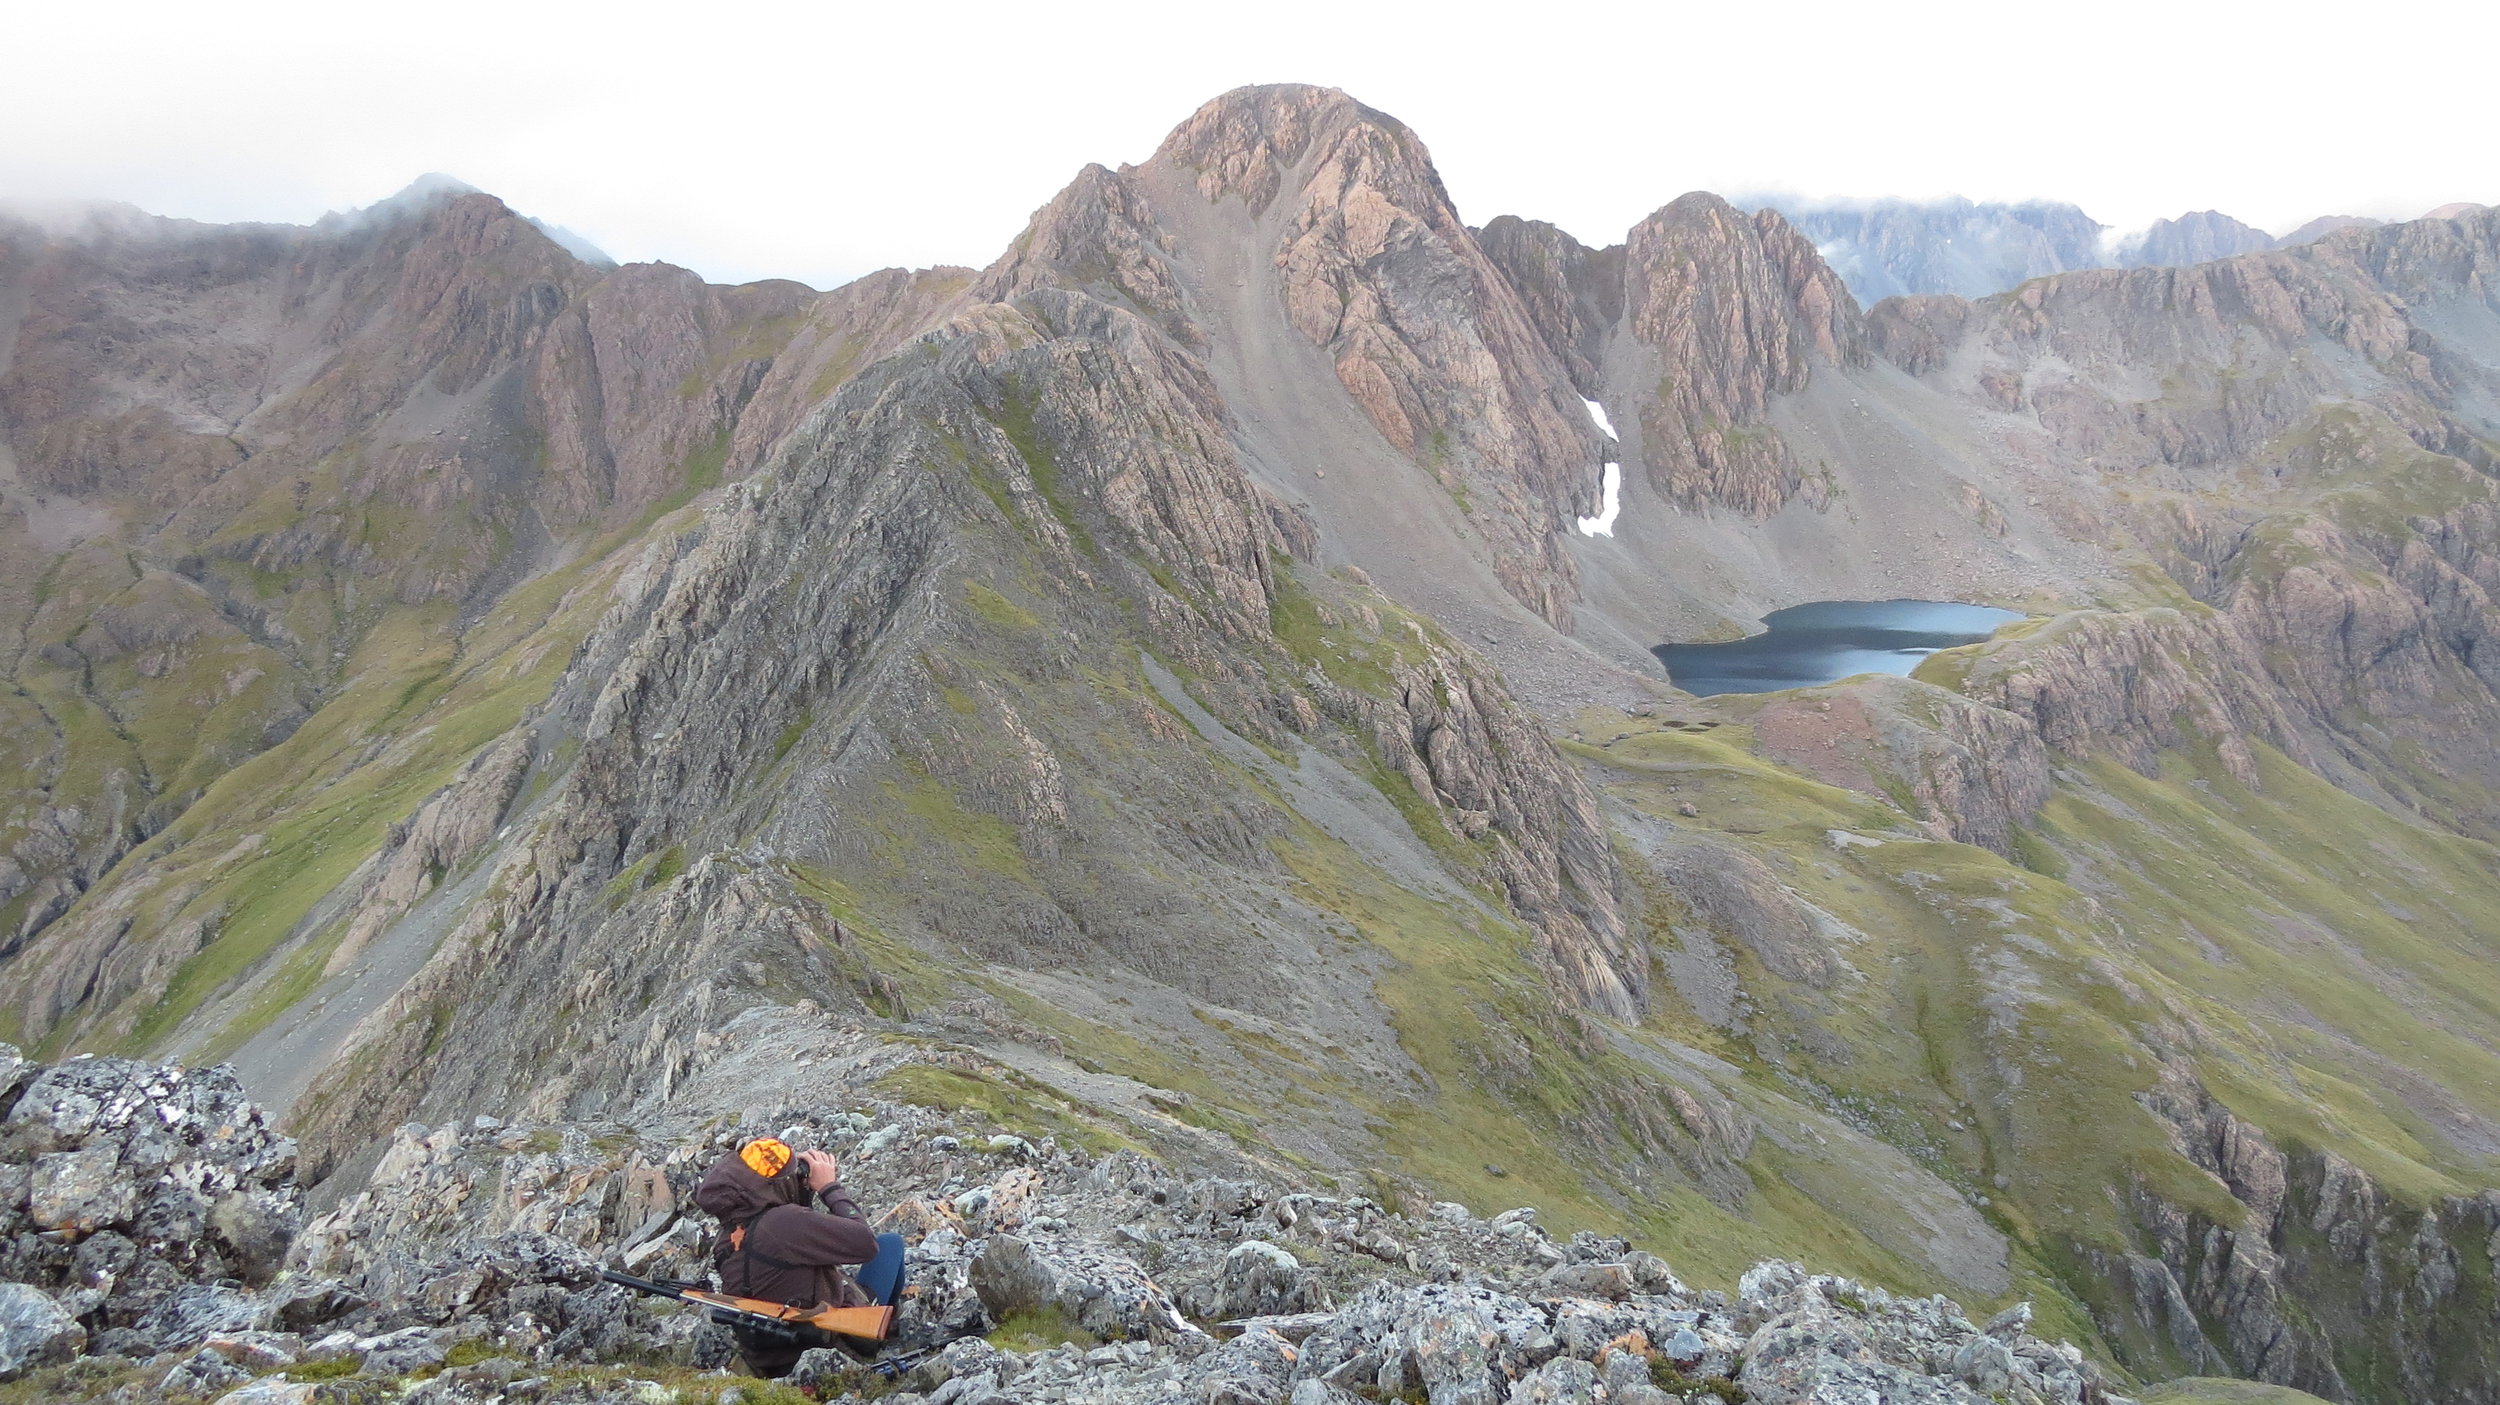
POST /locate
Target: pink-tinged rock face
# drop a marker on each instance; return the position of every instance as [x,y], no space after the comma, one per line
[1736,309]
[1375,268]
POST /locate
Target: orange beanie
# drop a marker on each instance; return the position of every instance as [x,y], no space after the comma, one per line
[765,1156]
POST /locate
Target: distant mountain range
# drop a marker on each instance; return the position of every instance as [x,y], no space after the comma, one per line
[1901,248]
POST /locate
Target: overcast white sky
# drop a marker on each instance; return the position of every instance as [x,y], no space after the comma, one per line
[820,141]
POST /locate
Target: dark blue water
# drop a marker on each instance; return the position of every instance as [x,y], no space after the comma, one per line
[1829,640]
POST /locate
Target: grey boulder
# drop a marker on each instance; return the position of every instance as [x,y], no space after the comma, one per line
[1104,1293]
[34,1331]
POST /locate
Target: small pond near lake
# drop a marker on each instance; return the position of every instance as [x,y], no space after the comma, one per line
[1828,640]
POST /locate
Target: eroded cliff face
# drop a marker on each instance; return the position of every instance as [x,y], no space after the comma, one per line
[1572,294]
[1736,310]
[647,373]
[2326,1283]
[1722,312]
[2130,686]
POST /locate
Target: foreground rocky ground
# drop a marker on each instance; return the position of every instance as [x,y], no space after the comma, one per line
[156,1246]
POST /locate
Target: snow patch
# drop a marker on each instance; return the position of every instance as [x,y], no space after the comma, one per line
[1610,501]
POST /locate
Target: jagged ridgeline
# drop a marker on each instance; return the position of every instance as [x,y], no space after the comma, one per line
[1154,689]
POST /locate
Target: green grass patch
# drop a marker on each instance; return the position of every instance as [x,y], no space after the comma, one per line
[2321,940]
[930,815]
[1040,1329]
[790,735]
[1665,1375]
[87,1378]
[1343,655]
[2223,1390]
[1021,1105]
[997,610]
[1014,419]
[665,868]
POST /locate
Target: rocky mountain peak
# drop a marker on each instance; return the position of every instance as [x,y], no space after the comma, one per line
[1573,293]
[2325,225]
[416,197]
[2199,237]
[1299,208]
[1245,142]
[1736,308]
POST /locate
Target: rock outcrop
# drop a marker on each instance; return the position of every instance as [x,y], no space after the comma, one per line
[1973,770]
[1728,311]
[147,1200]
[1572,294]
[1735,309]
[485,1240]
[1457,736]
[2225,1293]
[2128,686]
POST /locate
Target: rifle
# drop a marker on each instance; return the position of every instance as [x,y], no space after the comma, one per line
[775,1320]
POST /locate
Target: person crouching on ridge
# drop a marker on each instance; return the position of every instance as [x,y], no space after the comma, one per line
[773,1246]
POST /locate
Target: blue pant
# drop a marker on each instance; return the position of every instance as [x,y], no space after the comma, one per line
[882,1276]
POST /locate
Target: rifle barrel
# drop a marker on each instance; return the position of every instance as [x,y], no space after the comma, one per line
[644,1285]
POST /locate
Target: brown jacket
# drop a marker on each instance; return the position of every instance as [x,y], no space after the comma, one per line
[772,1246]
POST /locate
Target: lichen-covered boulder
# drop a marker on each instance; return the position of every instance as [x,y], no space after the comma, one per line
[1255,1368]
[1260,1279]
[1104,1293]
[1565,1380]
[141,1194]
[34,1331]
[79,1192]
[1462,1343]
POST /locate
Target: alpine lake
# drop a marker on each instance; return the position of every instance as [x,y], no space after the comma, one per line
[1824,641]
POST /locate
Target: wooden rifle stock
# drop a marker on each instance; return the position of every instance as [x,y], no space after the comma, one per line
[862,1323]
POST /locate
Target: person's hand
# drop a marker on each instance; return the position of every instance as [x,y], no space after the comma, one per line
[822,1170]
